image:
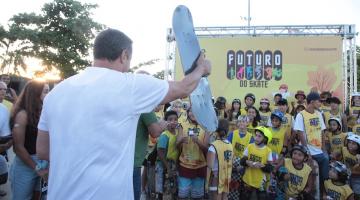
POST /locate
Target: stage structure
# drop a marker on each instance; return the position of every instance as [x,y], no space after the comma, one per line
[257,58]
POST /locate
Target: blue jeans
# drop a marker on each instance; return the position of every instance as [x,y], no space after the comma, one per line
[323,162]
[24,180]
[137,182]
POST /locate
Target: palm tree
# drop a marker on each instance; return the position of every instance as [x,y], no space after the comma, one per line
[13,52]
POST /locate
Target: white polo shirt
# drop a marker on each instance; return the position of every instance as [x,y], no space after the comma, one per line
[91,119]
[4,121]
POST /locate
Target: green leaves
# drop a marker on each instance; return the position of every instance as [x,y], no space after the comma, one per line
[60,36]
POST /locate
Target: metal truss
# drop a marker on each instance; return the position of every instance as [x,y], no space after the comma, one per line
[347,32]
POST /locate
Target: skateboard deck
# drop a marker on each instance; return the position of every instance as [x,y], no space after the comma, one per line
[189,50]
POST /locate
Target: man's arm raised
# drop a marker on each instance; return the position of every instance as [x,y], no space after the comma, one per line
[183,88]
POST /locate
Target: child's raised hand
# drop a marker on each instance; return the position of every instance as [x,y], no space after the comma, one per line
[256,165]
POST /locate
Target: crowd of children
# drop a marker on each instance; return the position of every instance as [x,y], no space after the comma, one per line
[255,153]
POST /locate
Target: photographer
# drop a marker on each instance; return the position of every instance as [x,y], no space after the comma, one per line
[193,145]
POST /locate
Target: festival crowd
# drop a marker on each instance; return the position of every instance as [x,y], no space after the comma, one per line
[301,147]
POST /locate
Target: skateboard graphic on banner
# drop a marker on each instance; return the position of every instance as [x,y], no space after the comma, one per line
[189,50]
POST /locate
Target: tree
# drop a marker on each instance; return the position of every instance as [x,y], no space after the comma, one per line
[60,36]
[143,64]
[358,64]
[13,52]
[160,75]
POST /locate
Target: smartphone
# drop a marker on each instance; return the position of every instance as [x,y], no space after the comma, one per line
[178,125]
[191,132]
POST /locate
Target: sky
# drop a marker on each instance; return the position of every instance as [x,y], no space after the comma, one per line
[145,22]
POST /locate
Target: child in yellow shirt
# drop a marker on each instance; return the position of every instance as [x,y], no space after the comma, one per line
[240,139]
[336,186]
[296,174]
[335,137]
[219,163]
[257,159]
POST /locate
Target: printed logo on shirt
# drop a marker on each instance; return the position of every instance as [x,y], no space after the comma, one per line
[275,141]
[227,155]
[255,158]
[314,121]
[333,194]
[355,112]
[264,118]
[239,147]
[295,179]
[337,141]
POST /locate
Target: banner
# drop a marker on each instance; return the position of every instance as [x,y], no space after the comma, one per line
[261,65]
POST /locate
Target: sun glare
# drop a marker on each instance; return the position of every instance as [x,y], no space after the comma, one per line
[35,70]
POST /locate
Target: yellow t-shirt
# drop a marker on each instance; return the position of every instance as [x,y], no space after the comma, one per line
[298,178]
[256,177]
[273,107]
[251,129]
[356,129]
[336,141]
[224,154]
[324,108]
[337,192]
[172,151]
[265,116]
[348,159]
[192,157]
[277,142]
[243,111]
[354,111]
[239,144]
[7,104]
[312,128]
[182,118]
[287,122]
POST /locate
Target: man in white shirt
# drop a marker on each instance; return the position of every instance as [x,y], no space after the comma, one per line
[310,126]
[4,131]
[88,122]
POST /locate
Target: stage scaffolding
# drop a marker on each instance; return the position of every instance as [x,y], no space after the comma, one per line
[346,32]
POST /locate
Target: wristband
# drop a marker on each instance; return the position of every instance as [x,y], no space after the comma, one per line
[41,164]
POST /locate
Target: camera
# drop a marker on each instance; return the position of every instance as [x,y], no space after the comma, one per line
[191,132]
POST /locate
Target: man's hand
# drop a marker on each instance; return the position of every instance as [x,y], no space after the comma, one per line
[6,146]
[43,174]
[258,165]
[163,124]
[203,64]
